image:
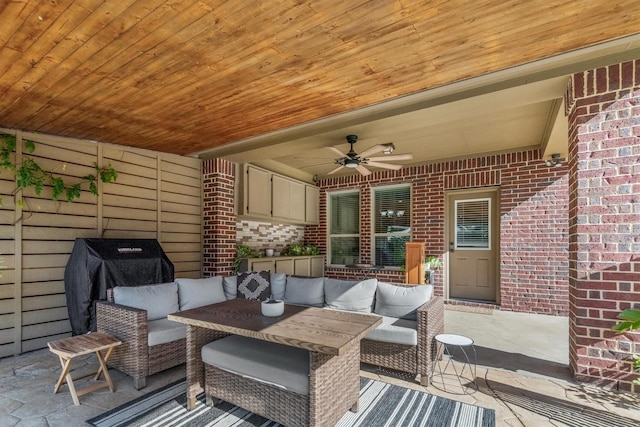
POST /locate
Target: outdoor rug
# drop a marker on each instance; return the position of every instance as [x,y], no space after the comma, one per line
[381,404]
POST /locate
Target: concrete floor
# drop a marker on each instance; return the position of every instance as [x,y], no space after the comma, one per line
[522,373]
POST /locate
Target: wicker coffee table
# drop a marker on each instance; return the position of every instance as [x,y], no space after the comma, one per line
[68,349]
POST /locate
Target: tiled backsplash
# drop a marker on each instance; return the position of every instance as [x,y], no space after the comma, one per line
[264,235]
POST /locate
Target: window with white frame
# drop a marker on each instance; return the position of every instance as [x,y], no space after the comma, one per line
[391,224]
[344,228]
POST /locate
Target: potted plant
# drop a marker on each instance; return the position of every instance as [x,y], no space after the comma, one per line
[630,322]
[430,264]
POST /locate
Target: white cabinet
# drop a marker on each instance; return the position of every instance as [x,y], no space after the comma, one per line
[312,204]
[268,195]
[312,266]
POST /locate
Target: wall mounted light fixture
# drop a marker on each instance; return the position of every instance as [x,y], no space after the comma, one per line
[554,160]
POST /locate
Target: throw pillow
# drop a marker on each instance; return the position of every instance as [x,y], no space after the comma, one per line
[307,291]
[351,296]
[401,301]
[194,293]
[254,285]
[157,300]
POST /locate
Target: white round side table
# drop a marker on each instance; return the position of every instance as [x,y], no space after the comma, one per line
[450,345]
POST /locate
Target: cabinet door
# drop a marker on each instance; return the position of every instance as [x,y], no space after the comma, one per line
[317,266]
[280,196]
[302,266]
[259,265]
[297,201]
[414,262]
[257,192]
[284,266]
[312,203]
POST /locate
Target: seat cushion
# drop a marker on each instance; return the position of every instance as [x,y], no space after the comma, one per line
[271,363]
[401,301]
[396,331]
[158,300]
[348,295]
[304,291]
[162,331]
[194,293]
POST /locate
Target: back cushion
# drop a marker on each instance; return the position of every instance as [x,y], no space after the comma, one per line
[230,286]
[278,285]
[157,300]
[194,293]
[348,295]
[254,285]
[305,291]
[401,301]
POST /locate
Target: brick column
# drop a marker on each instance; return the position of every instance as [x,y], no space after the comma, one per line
[219,217]
[603,107]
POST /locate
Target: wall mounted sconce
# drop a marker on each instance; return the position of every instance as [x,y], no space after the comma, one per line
[554,160]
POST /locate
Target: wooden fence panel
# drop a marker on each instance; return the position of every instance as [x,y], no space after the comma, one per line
[156,196]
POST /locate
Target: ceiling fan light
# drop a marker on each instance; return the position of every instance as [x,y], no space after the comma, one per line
[351,163]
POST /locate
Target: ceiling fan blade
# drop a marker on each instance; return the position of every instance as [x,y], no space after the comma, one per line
[364,171]
[335,170]
[384,165]
[393,158]
[338,152]
[372,150]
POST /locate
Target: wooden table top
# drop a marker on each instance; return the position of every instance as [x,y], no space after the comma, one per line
[312,328]
[83,344]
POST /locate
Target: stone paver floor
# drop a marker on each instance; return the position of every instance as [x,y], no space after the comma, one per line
[524,390]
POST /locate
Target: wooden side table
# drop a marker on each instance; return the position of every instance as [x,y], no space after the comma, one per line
[69,348]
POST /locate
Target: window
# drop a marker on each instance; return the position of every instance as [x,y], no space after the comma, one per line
[344,228]
[391,224]
[472,224]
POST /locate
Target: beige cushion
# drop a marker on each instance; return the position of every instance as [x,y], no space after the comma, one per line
[194,293]
[351,296]
[401,301]
[158,300]
[279,365]
[162,331]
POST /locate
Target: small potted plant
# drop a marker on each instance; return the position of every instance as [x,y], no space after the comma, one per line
[430,264]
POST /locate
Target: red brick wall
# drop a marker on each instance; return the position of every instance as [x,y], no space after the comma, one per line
[534,222]
[604,144]
[219,217]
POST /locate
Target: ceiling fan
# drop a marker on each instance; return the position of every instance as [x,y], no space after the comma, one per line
[358,161]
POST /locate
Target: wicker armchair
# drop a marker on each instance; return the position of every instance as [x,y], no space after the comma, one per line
[406,358]
[135,357]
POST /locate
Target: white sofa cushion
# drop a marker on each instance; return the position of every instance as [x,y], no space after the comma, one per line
[158,300]
[194,293]
[278,283]
[271,363]
[401,301]
[162,331]
[396,331]
[348,295]
[304,291]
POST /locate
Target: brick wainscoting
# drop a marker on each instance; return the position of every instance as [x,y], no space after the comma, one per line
[603,106]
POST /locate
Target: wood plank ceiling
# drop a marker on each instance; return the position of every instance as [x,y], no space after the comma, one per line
[185,76]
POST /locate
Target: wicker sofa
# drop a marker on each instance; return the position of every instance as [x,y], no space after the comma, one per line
[412,316]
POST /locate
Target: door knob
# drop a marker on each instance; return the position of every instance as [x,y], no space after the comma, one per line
[451,246]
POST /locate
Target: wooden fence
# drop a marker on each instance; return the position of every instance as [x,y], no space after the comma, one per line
[156,195]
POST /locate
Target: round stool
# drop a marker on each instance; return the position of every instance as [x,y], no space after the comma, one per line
[449,345]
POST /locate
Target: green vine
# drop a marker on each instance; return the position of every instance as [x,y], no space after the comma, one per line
[31,174]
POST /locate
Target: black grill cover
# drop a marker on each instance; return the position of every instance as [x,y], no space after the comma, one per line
[96,265]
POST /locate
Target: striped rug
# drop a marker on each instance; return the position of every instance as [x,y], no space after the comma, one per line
[381,404]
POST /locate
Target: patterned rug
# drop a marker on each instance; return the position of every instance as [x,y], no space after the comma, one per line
[381,404]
